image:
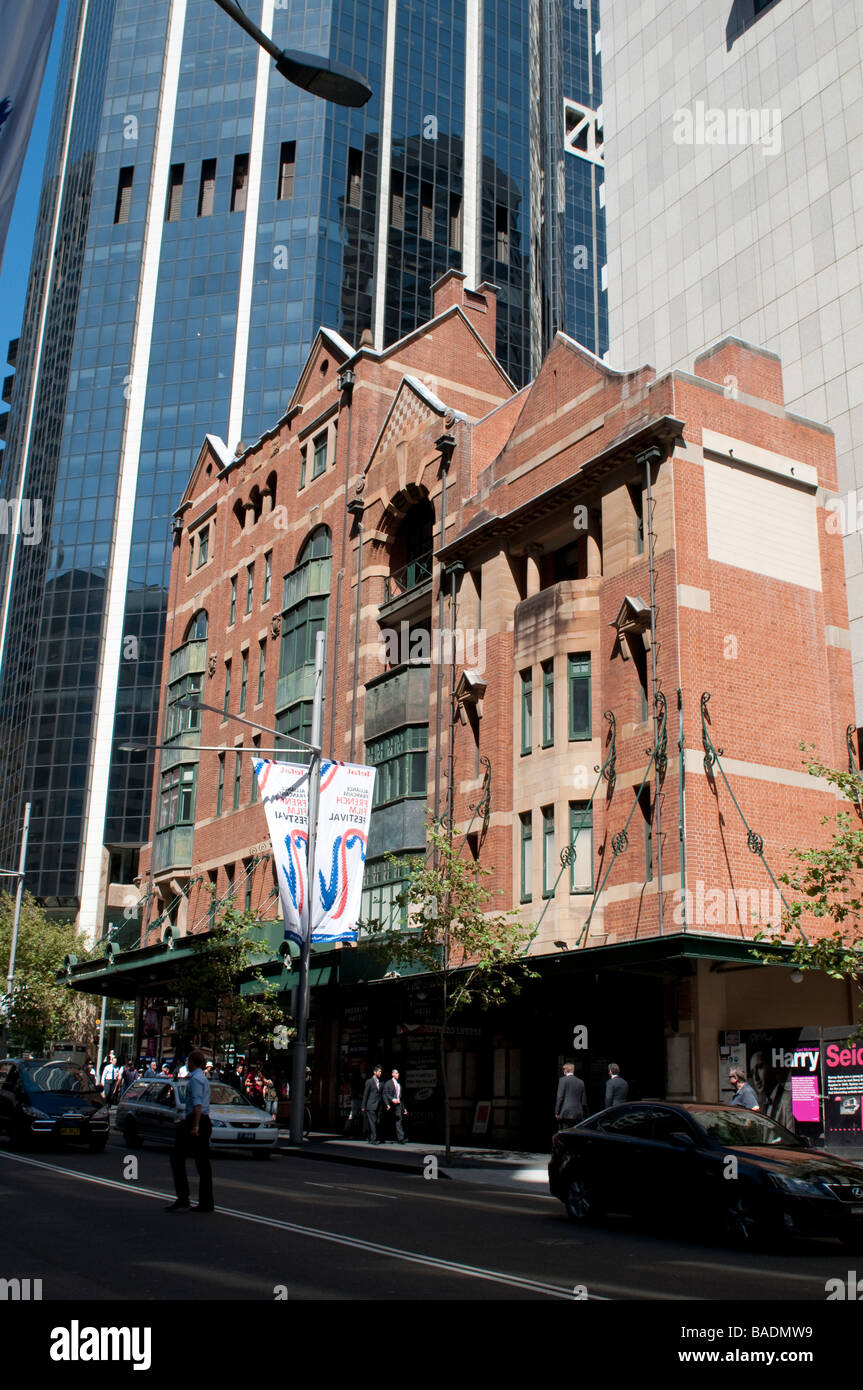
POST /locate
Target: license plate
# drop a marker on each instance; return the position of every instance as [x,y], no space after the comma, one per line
[857,1211]
[74,1132]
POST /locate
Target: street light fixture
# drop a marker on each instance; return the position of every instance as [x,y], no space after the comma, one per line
[323,77]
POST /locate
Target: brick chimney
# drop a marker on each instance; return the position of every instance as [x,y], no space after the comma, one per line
[740,366]
[478,306]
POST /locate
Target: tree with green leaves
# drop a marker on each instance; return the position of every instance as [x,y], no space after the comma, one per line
[827,885]
[474,955]
[41,1011]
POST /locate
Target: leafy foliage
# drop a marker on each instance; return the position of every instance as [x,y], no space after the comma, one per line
[226,957]
[41,1011]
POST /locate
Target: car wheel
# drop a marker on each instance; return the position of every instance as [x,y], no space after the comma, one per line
[581,1205]
[97,1146]
[745,1224]
[132,1135]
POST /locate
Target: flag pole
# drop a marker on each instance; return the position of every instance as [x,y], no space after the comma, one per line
[301,1042]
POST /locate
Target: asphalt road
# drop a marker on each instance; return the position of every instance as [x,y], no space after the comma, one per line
[91,1226]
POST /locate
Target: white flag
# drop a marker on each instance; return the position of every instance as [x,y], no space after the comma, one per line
[344,810]
[25,38]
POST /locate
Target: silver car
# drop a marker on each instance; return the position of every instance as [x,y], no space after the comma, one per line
[154,1105]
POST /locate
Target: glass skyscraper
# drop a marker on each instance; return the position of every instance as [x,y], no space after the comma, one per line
[200,219]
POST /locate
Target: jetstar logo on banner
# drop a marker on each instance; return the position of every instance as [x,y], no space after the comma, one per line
[344,810]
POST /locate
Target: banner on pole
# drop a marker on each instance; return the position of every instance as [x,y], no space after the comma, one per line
[344,811]
[25,38]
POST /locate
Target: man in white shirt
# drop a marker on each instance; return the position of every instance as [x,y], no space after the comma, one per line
[110,1076]
[192,1140]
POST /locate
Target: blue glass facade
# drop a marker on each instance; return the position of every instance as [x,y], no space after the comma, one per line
[320,220]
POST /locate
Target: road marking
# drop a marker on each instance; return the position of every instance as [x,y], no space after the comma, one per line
[366,1191]
[313,1233]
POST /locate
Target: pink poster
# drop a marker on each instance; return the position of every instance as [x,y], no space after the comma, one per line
[804,1098]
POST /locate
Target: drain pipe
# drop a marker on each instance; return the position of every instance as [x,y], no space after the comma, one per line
[344,382]
[446,444]
[356,509]
[646,459]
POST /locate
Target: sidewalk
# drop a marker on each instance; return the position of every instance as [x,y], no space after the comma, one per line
[518,1171]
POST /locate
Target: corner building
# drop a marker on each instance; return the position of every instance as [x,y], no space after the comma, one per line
[649,617]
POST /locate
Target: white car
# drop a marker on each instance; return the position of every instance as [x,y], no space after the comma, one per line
[153,1105]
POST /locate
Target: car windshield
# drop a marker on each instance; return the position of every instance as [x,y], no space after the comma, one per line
[57,1077]
[744,1129]
[225,1095]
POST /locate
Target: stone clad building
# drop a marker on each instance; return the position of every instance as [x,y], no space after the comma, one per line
[592,619]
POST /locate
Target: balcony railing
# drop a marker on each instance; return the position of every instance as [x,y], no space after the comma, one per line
[410,576]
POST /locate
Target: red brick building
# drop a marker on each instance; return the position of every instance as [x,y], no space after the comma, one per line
[528,597]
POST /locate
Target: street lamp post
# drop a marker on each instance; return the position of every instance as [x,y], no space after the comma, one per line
[16,919]
[323,77]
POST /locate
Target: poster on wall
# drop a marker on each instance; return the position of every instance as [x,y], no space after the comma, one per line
[783,1066]
[843,1089]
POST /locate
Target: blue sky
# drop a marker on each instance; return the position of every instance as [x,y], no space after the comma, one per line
[19,242]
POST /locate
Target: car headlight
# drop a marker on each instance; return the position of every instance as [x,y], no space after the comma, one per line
[34,1113]
[801,1187]
[220,1124]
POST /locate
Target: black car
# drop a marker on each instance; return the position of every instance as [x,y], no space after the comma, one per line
[51,1100]
[719,1166]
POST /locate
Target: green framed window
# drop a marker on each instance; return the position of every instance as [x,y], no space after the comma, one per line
[526,711]
[177,800]
[526,856]
[297,722]
[578,673]
[203,545]
[548,864]
[232,616]
[303,466]
[547,704]
[227,699]
[646,806]
[179,719]
[249,873]
[256,744]
[262,668]
[401,762]
[238,777]
[268,576]
[244,679]
[581,844]
[383,882]
[319,455]
[220,794]
[305,601]
[250,588]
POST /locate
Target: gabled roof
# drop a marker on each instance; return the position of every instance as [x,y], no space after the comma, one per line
[326,340]
[214,446]
[410,385]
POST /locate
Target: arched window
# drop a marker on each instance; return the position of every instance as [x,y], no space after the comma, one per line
[412,552]
[197,629]
[305,603]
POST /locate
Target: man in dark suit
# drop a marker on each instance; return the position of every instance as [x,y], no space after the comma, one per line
[571,1103]
[394,1102]
[616,1089]
[372,1101]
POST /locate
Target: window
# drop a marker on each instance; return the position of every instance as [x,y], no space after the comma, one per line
[250,588]
[526,829]
[355,178]
[233,613]
[401,760]
[180,719]
[227,701]
[548,867]
[123,205]
[244,679]
[631,1124]
[229,879]
[262,669]
[547,704]
[268,576]
[526,711]
[191,554]
[501,235]
[203,545]
[249,874]
[296,722]
[455,223]
[303,466]
[581,844]
[240,183]
[220,794]
[637,498]
[177,803]
[287,169]
[238,774]
[174,201]
[256,744]
[319,457]
[397,200]
[383,882]
[427,211]
[305,602]
[207,188]
[647,815]
[580,725]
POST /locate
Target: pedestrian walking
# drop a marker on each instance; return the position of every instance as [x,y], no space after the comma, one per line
[570,1105]
[128,1076]
[254,1086]
[372,1101]
[110,1077]
[394,1103]
[192,1140]
[745,1095]
[616,1089]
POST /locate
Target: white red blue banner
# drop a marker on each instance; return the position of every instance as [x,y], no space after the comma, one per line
[344,810]
[25,38]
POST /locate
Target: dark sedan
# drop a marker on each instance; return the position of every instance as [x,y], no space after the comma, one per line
[51,1100]
[726,1168]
